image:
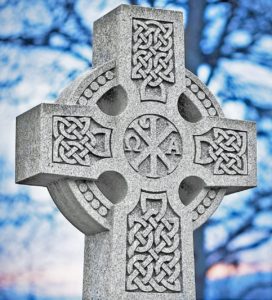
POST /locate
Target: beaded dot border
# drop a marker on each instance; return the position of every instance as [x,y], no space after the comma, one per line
[201,95]
[204,204]
[94,86]
[89,196]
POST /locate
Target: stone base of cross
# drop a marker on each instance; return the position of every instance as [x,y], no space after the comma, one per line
[137,154]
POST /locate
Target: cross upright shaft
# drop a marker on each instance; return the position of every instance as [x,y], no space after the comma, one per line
[136,154]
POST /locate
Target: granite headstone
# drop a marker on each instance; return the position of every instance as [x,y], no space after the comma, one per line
[137,154]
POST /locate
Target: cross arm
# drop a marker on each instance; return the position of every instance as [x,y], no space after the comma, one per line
[223,153]
[55,141]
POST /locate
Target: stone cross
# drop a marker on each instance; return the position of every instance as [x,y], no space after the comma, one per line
[137,154]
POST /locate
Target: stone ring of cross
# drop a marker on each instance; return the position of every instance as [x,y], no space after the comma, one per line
[136,153]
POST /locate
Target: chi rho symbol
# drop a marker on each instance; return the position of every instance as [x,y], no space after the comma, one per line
[153,146]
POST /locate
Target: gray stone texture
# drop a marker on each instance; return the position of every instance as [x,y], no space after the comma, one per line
[137,154]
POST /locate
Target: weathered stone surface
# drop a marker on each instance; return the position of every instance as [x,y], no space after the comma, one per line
[136,153]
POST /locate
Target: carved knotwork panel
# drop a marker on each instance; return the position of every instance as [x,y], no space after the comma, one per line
[153,246]
[152,146]
[225,149]
[153,57]
[79,140]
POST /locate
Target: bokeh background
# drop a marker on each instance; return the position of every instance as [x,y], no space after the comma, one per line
[44,44]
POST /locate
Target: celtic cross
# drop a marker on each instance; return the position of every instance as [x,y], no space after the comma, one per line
[137,154]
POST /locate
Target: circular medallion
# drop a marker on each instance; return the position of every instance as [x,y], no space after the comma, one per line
[153,146]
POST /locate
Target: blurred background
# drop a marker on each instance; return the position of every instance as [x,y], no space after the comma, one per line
[44,44]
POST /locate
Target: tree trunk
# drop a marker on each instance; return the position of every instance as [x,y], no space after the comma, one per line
[193,59]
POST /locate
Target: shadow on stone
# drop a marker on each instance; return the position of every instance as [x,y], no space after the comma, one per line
[189,188]
[188,110]
[113,186]
[113,102]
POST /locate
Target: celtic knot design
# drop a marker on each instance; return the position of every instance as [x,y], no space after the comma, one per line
[152,57]
[79,140]
[226,150]
[154,256]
